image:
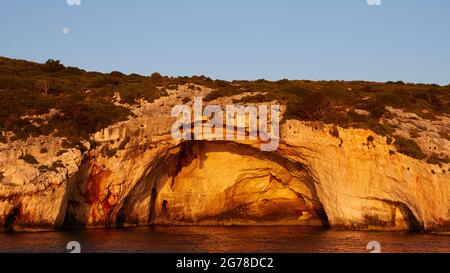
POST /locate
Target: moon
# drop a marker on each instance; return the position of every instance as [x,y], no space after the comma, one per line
[73,2]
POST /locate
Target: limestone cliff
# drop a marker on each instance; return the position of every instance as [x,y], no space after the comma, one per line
[137,174]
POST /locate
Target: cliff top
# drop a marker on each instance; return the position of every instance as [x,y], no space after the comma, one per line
[52,99]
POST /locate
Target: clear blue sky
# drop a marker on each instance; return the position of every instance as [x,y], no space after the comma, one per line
[405,40]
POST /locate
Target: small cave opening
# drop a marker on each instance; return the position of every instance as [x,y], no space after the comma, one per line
[411,220]
[164,209]
[11,219]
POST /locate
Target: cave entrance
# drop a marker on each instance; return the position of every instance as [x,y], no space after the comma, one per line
[225,183]
[11,219]
[164,209]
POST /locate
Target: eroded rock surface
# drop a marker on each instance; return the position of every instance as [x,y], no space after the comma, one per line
[35,196]
[139,175]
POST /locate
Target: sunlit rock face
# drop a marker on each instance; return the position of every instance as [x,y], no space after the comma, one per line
[215,183]
[34,197]
[313,178]
[225,183]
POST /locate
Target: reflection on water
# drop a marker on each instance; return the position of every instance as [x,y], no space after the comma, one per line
[222,239]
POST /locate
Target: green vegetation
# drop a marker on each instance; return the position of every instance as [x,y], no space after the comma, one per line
[409,147]
[85,100]
[414,134]
[29,159]
[57,164]
[334,132]
[61,152]
[43,168]
[445,135]
[111,153]
[226,91]
[370,140]
[186,100]
[389,140]
[438,160]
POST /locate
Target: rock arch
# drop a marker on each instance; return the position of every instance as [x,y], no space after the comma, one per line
[223,183]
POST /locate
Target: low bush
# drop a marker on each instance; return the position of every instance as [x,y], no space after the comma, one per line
[61,152]
[185,100]
[29,159]
[111,153]
[409,147]
[334,132]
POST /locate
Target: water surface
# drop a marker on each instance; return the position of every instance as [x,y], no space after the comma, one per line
[222,239]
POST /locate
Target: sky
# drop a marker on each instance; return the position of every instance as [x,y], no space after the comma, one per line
[406,40]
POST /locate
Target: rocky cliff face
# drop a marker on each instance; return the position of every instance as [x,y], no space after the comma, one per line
[35,196]
[139,175]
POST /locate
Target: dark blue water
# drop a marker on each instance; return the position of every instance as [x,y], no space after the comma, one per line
[222,239]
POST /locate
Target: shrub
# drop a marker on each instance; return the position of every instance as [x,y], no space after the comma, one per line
[44,150]
[156,76]
[389,140]
[434,159]
[11,82]
[409,147]
[370,140]
[334,132]
[29,159]
[57,164]
[81,147]
[92,144]
[117,74]
[43,168]
[3,139]
[376,109]
[104,80]
[85,113]
[382,129]
[111,152]
[254,99]
[53,66]
[316,106]
[227,91]
[355,117]
[414,134]
[445,135]
[61,152]
[438,160]
[45,86]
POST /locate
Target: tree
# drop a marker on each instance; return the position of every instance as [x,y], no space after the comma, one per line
[316,106]
[53,65]
[45,85]
[156,76]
